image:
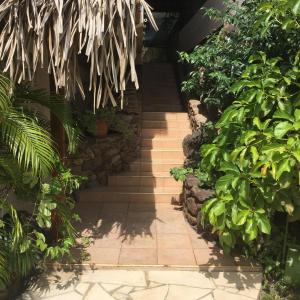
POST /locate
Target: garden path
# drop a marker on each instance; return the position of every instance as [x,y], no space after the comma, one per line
[141,247]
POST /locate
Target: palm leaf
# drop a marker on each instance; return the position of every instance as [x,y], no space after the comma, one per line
[30,144]
[24,94]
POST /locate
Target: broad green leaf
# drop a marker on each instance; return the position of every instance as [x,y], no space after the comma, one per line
[275,147]
[282,128]
[229,167]
[226,238]
[248,137]
[283,166]
[296,7]
[244,190]
[251,229]
[254,154]
[297,114]
[242,217]
[296,153]
[223,183]
[218,209]
[263,223]
[280,114]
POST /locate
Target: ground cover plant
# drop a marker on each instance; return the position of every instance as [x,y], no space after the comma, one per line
[253,163]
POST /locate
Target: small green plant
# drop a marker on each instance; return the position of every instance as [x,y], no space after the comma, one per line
[180,173]
[26,240]
[87,121]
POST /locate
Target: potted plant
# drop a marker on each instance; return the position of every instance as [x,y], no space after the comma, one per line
[104,118]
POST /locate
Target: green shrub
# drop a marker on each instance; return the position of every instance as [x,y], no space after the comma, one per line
[221,60]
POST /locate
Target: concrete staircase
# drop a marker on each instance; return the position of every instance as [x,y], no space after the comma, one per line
[164,126]
[148,178]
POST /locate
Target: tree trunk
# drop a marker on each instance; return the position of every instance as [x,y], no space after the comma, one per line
[58,134]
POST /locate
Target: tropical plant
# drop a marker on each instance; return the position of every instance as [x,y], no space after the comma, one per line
[256,155]
[223,57]
[255,160]
[28,158]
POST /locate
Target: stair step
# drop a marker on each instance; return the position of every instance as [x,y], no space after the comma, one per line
[131,194]
[183,124]
[154,166]
[164,116]
[142,181]
[161,154]
[162,143]
[171,132]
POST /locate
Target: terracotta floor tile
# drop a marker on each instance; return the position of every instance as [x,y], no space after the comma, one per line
[175,226]
[103,255]
[140,216]
[200,243]
[173,241]
[113,241]
[213,257]
[142,207]
[142,228]
[182,257]
[138,257]
[144,241]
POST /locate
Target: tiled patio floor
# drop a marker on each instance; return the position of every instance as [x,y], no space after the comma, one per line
[147,234]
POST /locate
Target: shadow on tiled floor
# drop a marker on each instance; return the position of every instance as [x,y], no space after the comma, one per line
[147,234]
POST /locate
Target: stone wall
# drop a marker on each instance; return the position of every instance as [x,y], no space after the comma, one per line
[97,158]
[194,195]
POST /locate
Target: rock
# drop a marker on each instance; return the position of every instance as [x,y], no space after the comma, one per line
[92,164]
[76,170]
[78,161]
[90,153]
[201,195]
[192,144]
[192,206]
[112,153]
[191,181]
[116,160]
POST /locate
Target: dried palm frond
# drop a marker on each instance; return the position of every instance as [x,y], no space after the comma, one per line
[51,34]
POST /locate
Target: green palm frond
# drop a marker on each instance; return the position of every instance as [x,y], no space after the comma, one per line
[5,91]
[24,94]
[30,144]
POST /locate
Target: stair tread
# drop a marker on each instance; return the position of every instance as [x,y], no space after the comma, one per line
[161,149]
[132,190]
[143,174]
[158,161]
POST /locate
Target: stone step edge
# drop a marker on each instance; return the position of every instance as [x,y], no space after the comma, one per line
[142,176]
[196,268]
[161,150]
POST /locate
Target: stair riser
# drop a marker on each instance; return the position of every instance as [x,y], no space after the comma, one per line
[162,116]
[166,124]
[146,182]
[162,144]
[148,167]
[164,133]
[161,155]
[118,197]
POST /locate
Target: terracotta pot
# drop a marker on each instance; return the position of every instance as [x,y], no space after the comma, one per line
[102,128]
